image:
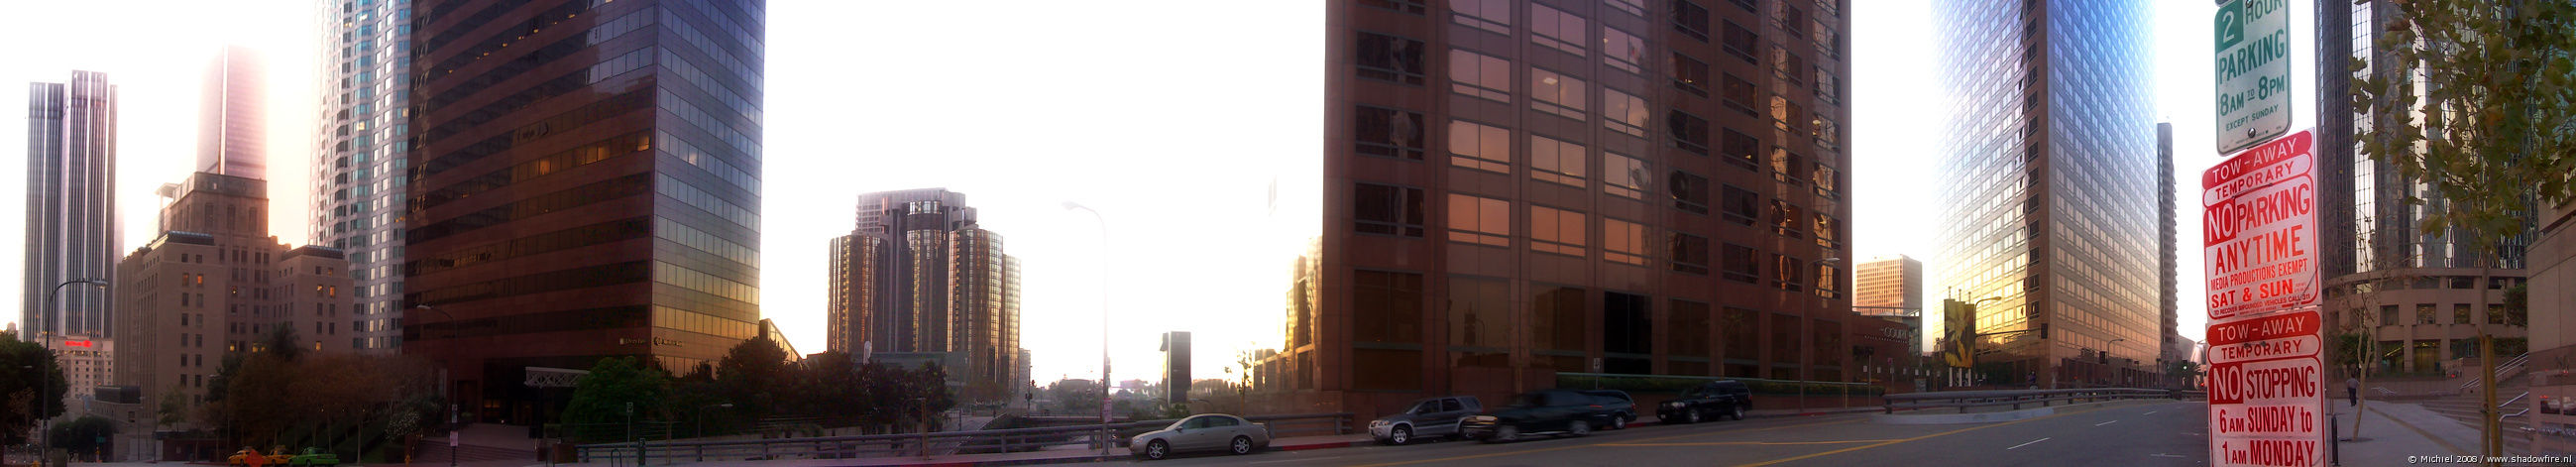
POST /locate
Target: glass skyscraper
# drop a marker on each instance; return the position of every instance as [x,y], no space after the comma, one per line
[358,158]
[583,183]
[918,274]
[2050,217]
[72,229]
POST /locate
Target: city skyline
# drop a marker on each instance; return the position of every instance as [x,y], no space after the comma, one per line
[1057,246]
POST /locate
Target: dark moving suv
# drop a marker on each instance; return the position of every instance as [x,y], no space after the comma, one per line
[1550,411]
[1436,417]
[1623,409]
[1708,402]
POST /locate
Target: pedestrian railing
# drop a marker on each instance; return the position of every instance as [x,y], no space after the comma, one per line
[2502,371]
[2017,398]
[925,444]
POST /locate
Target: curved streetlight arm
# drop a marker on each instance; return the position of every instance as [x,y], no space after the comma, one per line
[1105,443]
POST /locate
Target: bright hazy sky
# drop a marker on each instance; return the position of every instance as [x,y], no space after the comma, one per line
[1172,117]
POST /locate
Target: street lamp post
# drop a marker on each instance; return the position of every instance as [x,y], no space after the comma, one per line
[443,390]
[1096,218]
[44,376]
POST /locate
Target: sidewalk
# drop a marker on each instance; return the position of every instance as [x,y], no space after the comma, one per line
[2391,432]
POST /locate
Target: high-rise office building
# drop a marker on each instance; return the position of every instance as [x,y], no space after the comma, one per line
[2049,218]
[918,275]
[72,229]
[2168,272]
[2381,268]
[582,184]
[359,156]
[1891,288]
[232,119]
[215,281]
[1513,190]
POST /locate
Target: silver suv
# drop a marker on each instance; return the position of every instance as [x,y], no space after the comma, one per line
[1434,417]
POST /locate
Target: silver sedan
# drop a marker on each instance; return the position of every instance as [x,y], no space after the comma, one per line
[1209,432]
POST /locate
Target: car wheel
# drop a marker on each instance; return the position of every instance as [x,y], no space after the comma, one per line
[1503,434]
[1690,416]
[1157,450]
[1401,435]
[1739,413]
[1618,422]
[1242,445]
[1579,428]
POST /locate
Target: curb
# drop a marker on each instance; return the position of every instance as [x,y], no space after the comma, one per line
[1334,445]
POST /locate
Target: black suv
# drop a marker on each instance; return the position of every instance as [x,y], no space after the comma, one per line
[1623,409]
[1549,411]
[1708,401]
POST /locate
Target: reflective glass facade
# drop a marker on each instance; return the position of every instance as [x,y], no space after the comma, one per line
[2053,151]
[919,275]
[582,185]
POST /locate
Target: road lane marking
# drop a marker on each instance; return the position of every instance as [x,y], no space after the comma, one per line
[2167,455]
[2151,412]
[1561,448]
[1297,460]
[1917,438]
[2106,423]
[1742,443]
[2018,446]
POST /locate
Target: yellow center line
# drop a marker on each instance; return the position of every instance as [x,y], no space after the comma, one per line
[1561,448]
[1917,438]
[1746,443]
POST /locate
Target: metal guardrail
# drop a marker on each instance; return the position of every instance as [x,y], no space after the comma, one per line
[2506,370]
[2016,398]
[925,444]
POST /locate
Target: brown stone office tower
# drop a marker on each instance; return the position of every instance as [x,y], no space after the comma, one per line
[583,184]
[919,275]
[1515,190]
[215,281]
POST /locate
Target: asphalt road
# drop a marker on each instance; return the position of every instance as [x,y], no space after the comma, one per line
[2151,433]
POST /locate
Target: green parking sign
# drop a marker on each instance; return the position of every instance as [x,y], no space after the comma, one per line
[2253,64]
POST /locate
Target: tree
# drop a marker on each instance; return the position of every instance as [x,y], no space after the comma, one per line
[754,376]
[32,384]
[2492,129]
[605,396]
[831,384]
[87,435]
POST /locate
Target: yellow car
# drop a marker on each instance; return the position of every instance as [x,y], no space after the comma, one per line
[279,459]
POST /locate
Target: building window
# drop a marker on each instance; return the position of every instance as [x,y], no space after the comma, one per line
[1828,181]
[1479,312]
[1788,167]
[1480,75]
[1686,331]
[1481,147]
[1787,273]
[1787,219]
[1388,132]
[1787,116]
[1740,264]
[1480,220]
[1829,280]
[1690,253]
[1624,176]
[2424,313]
[1828,86]
[1739,94]
[1690,19]
[1554,28]
[1690,192]
[1390,58]
[1740,42]
[1828,134]
[1741,150]
[1556,161]
[1489,15]
[1792,19]
[1557,94]
[1556,318]
[1387,210]
[1829,232]
[1623,241]
[1407,6]
[1632,7]
[1387,307]
[1622,50]
[1623,113]
[1787,66]
[2460,313]
[1740,206]
[1690,74]
[1690,133]
[1557,231]
[1627,323]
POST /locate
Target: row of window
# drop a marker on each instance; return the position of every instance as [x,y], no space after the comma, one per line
[1389,309]
[723,131]
[693,238]
[529,245]
[542,282]
[704,201]
[586,154]
[560,200]
[725,60]
[711,284]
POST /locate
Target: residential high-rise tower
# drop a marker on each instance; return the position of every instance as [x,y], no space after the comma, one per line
[918,275]
[359,158]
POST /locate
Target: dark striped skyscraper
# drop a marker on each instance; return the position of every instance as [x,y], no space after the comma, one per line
[72,228]
[918,274]
[582,184]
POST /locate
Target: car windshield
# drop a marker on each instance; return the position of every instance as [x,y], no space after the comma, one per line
[1526,400]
